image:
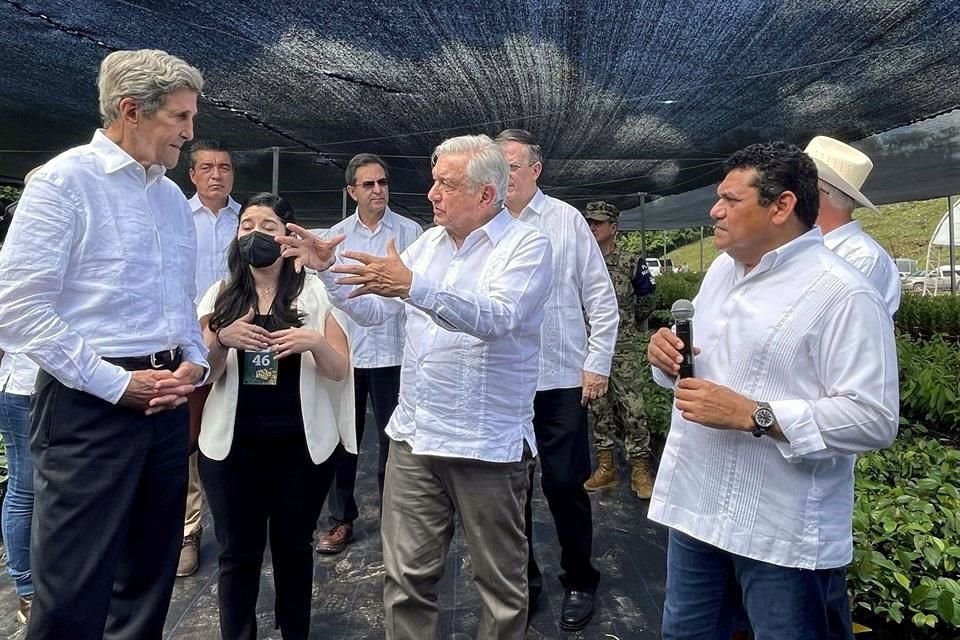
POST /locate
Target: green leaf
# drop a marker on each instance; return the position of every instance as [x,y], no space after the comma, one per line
[919,594]
[946,605]
[902,579]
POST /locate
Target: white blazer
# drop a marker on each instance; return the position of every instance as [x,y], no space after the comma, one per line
[327,405]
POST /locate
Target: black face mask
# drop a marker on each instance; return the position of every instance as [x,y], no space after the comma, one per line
[259,249]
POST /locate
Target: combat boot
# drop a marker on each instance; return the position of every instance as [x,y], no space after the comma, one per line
[641,478]
[606,476]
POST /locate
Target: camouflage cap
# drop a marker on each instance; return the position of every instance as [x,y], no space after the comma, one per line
[601,211]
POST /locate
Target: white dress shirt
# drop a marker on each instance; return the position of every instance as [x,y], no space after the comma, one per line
[381,345]
[99,262]
[18,374]
[472,339]
[581,286]
[215,232]
[807,333]
[855,245]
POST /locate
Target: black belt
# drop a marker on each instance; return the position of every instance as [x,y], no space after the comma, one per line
[169,359]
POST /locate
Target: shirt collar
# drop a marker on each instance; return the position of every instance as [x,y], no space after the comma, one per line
[388,220]
[196,205]
[494,230]
[783,253]
[841,234]
[114,158]
[538,203]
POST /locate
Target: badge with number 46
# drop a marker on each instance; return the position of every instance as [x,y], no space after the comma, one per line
[259,367]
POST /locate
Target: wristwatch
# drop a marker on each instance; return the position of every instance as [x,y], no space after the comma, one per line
[763,419]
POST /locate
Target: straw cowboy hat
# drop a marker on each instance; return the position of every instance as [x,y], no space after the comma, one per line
[842,166]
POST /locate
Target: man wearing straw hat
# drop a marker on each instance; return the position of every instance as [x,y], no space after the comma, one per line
[842,171]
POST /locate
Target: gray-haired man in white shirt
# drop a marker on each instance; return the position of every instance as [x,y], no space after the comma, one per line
[796,373]
[473,289]
[97,287]
[574,369]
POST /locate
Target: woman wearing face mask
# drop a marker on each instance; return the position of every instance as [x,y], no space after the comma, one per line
[282,400]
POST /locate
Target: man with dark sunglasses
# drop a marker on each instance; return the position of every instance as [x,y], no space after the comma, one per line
[376,351]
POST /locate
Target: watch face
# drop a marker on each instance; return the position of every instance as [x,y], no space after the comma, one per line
[763,417]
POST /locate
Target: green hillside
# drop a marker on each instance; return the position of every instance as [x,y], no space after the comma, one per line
[904,229]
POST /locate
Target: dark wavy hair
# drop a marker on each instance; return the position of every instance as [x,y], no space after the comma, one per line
[240,292]
[781,167]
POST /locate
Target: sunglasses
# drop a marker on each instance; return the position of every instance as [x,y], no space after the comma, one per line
[367,185]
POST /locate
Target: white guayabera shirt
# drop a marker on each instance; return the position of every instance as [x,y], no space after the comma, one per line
[581,286]
[214,235]
[472,339]
[807,333]
[855,245]
[380,345]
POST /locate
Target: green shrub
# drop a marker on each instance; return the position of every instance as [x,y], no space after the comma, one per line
[924,316]
[675,286]
[906,531]
[930,383]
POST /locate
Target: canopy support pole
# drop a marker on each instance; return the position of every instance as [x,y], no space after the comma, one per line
[953,257]
[276,171]
[643,225]
[701,248]
[343,212]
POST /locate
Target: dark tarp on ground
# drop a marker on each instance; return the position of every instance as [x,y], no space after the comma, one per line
[914,162]
[625,99]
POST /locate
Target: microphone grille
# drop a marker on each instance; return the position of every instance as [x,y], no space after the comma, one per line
[682,310]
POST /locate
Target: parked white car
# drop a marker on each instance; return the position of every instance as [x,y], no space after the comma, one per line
[658,266]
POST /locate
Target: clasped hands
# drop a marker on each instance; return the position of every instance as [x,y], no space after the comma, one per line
[385,276]
[156,390]
[243,334]
[702,401]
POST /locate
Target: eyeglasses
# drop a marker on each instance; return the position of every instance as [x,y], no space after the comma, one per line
[367,185]
[516,167]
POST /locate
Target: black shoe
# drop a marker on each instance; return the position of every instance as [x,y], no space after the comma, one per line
[577,610]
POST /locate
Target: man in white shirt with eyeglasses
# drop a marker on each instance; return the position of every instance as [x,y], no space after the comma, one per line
[377,351]
[574,370]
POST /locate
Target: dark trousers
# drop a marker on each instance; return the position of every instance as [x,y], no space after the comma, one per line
[110,487]
[265,484]
[383,386]
[560,424]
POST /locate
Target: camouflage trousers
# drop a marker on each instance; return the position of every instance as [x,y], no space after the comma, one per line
[619,416]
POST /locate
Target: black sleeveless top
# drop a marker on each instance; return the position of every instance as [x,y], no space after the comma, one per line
[269,411]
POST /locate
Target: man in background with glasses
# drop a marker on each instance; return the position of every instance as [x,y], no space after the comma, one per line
[574,370]
[377,351]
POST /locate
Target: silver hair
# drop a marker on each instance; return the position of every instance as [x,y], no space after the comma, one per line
[486,163]
[838,198]
[147,75]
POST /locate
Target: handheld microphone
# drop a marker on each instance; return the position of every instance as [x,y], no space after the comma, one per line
[682,312]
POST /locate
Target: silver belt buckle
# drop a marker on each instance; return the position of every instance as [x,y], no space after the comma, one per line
[153,361]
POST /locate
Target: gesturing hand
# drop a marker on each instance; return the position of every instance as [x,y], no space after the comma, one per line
[296,340]
[308,249]
[385,276]
[243,334]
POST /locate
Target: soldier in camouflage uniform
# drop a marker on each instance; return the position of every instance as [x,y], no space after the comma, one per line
[620,414]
